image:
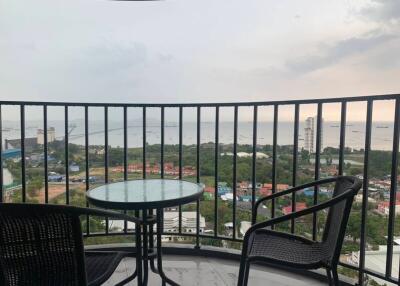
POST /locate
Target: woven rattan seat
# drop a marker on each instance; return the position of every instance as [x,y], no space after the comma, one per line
[262,244]
[43,245]
[291,250]
[101,264]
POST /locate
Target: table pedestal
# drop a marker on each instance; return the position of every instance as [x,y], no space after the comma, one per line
[146,253]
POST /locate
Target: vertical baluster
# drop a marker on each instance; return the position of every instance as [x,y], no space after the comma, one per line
[342,136]
[162,140]
[294,167]
[234,176]
[317,167]
[144,175]
[87,162]
[198,176]
[106,155]
[106,144]
[45,157]
[393,190]
[125,155]
[66,154]
[125,143]
[23,171]
[253,162]
[180,163]
[162,158]
[365,192]
[274,156]
[144,142]
[216,157]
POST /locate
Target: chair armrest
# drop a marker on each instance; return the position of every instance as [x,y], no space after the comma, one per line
[78,211]
[31,209]
[289,191]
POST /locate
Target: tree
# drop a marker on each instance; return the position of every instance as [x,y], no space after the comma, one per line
[34,186]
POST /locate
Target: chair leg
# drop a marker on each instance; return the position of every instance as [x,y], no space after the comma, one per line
[329,275]
[246,273]
[335,276]
[242,270]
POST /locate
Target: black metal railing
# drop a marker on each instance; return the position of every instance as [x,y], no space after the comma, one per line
[276,105]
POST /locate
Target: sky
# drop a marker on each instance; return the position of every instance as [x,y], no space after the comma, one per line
[197,51]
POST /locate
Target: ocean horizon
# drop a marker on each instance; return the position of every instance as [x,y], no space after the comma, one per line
[381,132]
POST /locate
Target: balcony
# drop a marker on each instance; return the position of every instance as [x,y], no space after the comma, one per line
[52,152]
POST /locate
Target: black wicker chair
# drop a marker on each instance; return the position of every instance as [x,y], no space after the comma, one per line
[43,245]
[261,244]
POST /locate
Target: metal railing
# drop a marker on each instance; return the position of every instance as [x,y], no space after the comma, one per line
[276,105]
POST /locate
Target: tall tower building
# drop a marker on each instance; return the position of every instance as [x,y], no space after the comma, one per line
[309,135]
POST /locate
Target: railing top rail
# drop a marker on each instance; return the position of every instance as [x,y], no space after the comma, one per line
[210,104]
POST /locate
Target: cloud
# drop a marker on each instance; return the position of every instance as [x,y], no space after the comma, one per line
[334,54]
[382,11]
[109,59]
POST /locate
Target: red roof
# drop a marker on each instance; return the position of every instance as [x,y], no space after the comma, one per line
[279,187]
[265,191]
[299,206]
[267,186]
[386,204]
[209,190]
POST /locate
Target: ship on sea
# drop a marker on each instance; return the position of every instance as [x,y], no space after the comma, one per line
[382,126]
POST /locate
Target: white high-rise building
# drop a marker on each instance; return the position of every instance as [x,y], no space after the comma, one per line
[310,134]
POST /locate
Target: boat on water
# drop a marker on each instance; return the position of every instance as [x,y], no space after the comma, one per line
[382,126]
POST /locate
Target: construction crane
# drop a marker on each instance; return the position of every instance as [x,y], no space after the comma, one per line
[71,128]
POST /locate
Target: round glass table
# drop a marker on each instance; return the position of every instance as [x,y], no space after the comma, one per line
[143,196]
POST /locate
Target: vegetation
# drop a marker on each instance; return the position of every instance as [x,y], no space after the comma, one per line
[380,166]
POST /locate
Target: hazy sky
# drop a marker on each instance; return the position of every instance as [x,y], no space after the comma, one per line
[197,51]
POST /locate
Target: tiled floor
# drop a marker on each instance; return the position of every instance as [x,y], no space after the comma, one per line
[199,271]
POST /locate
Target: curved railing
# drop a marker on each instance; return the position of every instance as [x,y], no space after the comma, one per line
[212,112]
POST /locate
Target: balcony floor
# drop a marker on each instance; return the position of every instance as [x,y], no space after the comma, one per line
[192,270]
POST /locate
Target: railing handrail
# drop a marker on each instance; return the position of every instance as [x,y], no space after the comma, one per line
[209,104]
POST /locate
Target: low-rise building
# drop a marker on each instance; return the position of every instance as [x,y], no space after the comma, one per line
[189,224]
[228,197]
[383,208]
[171,225]
[244,226]
[299,206]
[358,199]
[279,187]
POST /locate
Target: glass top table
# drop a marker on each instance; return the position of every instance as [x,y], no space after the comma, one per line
[144,194]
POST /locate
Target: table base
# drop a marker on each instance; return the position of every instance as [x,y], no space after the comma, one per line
[146,254]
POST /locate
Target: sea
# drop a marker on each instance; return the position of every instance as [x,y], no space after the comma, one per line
[381,132]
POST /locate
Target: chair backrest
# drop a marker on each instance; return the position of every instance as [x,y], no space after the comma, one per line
[338,215]
[40,245]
